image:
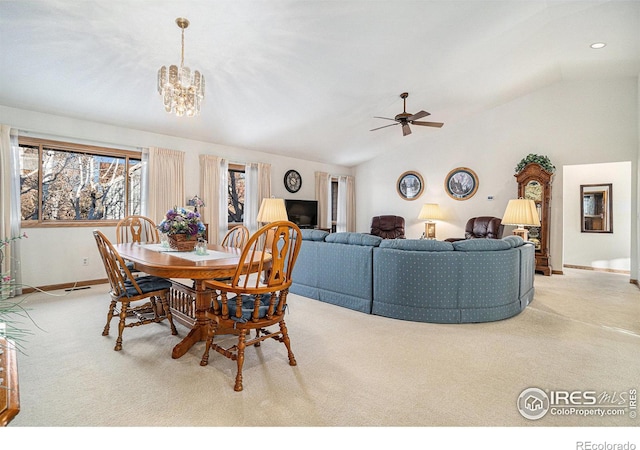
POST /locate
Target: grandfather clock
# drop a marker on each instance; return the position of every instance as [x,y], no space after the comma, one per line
[534,183]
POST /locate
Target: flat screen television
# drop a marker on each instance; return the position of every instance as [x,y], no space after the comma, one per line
[303,213]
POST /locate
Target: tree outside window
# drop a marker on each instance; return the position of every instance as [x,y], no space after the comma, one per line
[68,182]
[235,198]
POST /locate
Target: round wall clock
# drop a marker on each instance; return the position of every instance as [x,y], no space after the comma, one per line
[292,181]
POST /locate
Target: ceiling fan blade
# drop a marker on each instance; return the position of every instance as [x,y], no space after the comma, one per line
[418,115]
[385,118]
[428,124]
[384,126]
[405,129]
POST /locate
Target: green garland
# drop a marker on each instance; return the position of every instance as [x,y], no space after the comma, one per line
[544,161]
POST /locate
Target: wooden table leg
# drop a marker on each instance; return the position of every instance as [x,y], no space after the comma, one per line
[199,330]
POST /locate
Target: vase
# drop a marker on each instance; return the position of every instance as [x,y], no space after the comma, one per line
[182,242]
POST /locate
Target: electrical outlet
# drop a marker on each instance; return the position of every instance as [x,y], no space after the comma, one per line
[85,261]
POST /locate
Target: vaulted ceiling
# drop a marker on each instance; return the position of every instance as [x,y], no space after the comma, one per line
[305,78]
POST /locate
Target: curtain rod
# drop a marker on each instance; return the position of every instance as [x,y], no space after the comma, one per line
[53,137]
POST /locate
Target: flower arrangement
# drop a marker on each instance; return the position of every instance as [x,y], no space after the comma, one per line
[544,162]
[181,221]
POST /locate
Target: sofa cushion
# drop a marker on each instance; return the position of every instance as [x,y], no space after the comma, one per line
[427,245]
[354,239]
[475,245]
[313,235]
[514,241]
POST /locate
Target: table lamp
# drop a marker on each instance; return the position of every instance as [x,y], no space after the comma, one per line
[195,202]
[272,210]
[521,212]
[429,212]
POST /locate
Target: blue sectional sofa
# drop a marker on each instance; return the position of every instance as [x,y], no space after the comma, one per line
[478,280]
[336,268]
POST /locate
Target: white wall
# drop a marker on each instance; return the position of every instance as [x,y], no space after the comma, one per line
[53,256]
[571,122]
[598,250]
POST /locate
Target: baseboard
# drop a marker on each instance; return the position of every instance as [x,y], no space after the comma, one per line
[557,272]
[632,281]
[56,287]
[597,269]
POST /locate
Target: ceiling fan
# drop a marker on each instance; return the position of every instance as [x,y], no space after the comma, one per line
[405,118]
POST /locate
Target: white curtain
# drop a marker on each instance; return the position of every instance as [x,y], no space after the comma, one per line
[223,200]
[166,182]
[213,188]
[10,216]
[264,182]
[257,178]
[346,204]
[351,204]
[251,205]
[323,195]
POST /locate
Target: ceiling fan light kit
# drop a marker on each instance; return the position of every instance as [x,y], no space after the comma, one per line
[405,119]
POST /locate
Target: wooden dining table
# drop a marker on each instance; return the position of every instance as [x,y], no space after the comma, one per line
[188,302]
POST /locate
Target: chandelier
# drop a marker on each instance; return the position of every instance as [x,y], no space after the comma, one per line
[182,91]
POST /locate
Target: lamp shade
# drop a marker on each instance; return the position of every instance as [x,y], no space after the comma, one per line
[272,210]
[430,211]
[195,201]
[521,211]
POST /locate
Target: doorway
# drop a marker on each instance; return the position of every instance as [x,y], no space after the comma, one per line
[582,248]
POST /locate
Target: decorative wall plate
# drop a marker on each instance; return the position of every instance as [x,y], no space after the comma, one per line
[461,183]
[292,181]
[410,185]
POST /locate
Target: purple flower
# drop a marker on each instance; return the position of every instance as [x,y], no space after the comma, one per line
[181,221]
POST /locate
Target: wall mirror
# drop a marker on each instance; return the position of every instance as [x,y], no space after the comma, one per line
[596,208]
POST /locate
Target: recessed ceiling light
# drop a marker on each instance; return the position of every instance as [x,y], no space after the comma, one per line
[598,45]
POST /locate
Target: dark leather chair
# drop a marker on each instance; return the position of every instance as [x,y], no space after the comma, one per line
[484,227]
[388,227]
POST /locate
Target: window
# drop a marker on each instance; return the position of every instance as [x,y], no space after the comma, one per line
[62,182]
[334,204]
[235,199]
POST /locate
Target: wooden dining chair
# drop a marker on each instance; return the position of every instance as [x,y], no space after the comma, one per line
[138,229]
[125,289]
[250,302]
[236,237]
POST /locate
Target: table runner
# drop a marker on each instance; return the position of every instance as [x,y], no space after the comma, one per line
[191,256]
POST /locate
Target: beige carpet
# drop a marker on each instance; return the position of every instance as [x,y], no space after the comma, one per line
[582,332]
